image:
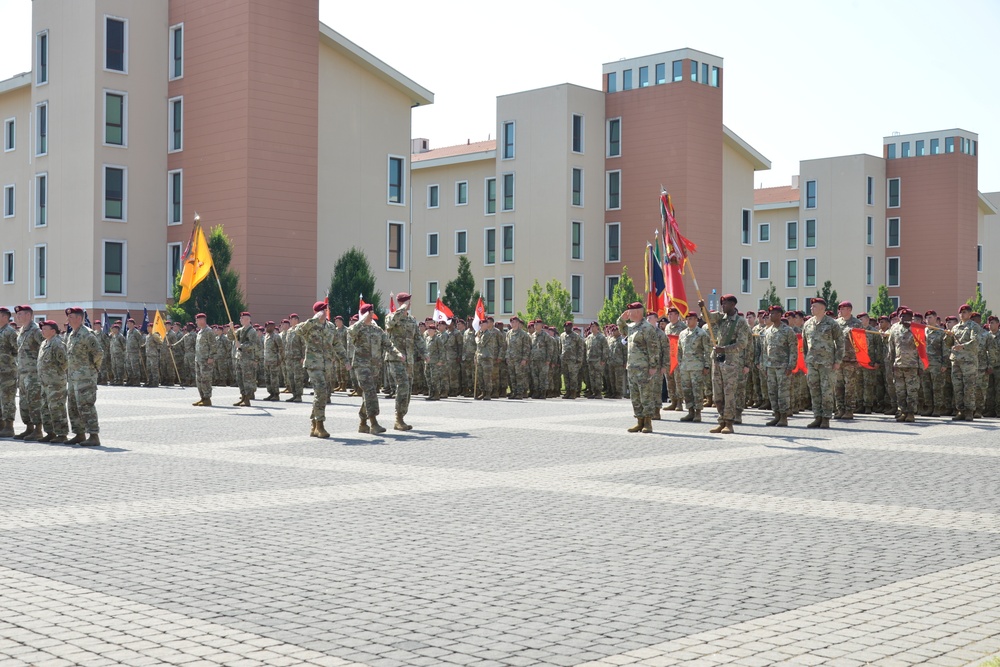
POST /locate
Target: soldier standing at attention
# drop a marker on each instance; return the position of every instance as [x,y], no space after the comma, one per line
[597,359]
[823,346]
[780,356]
[571,357]
[694,363]
[295,353]
[518,354]
[116,349]
[675,327]
[133,354]
[8,374]
[105,341]
[644,350]
[965,364]
[273,355]
[434,365]
[246,360]
[370,345]
[84,356]
[406,339]
[933,379]
[487,350]
[906,365]
[732,337]
[204,359]
[154,347]
[29,339]
[51,364]
[849,386]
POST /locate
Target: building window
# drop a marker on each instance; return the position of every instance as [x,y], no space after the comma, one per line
[432,244]
[791,304]
[661,73]
[810,233]
[490,296]
[892,233]
[694,71]
[613,242]
[576,240]
[979,258]
[41,271]
[507,233]
[508,140]
[9,135]
[715,77]
[627,80]
[490,246]
[920,148]
[893,193]
[745,264]
[949,144]
[870,189]
[611,283]
[396,181]
[42,130]
[704,73]
[173,266]
[432,292]
[175,110]
[869,270]
[395,247]
[614,190]
[792,235]
[42,58]
[433,196]
[577,186]
[746,227]
[577,133]
[905,149]
[810,272]
[791,273]
[8,267]
[175,197]
[461,242]
[612,82]
[115,184]
[114,267]
[176,51]
[643,77]
[868,304]
[576,293]
[614,137]
[461,193]
[41,200]
[677,70]
[114,119]
[894,300]
[935,146]
[870,231]
[491,196]
[972,150]
[507,295]
[764,232]
[890,152]
[810,194]
[892,272]
[764,270]
[8,201]
[508,192]
[116,44]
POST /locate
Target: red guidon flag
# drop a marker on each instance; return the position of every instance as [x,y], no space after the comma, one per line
[800,367]
[674,340]
[480,316]
[919,332]
[442,313]
[859,339]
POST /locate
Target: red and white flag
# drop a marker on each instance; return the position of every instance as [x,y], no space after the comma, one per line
[392,302]
[442,313]
[480,314]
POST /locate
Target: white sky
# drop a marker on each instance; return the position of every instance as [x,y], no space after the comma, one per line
[803,79]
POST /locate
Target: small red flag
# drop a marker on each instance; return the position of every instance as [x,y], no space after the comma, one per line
[859,339]
[800,367]
[674,343]
[919,332]
[392,303]
[675,289]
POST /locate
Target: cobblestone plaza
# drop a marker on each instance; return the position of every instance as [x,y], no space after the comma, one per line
[508,533]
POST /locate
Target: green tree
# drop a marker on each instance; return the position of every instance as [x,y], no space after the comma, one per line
[770,298]
[882,305]
[623,294]
[205,298]
[353,278]
[830,295]
[460,294]
[551,304]
[978,304]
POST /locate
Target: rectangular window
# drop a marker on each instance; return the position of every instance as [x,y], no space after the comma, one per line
[175,197]
[612,82]
[614,137]
[677,70]
[868,304]
[490,246]
[576,293]
[507,232]
[890,152]
[116,44]
[661,73]
[764,232]
[704,73]
[870,189]
[173,266]
[395,247]
[176,51]
[791,273]
[175,110]
[461,242]
[920,147]
[8,267]
[627,80]
[792,235]
[810,194]
[576,240]
[905,146]
[972,149]
[41,271]
[791,304]
[461,193]
[433,196]
[42,58]
[643,77]
[611,282]
[810,272]
[715,77]
[577,133]
[114,119]
[935,146]
[694,71]
[507,295]
[614,190]
[41,200]
[42,128]
[491,196]
[508,192]
[892,233]
[114,267]
[869,270]
[396,183]
[432,292]
[979,258]
[8,201]
[613,242]
[9,134]
[949,144]
[508,140]
[764,270]
[577,187]
[490,296]
[892,272]
[810,233]
[746,227]
[432,244]
[114,193]
[892,198]
[870,231]
[745,264]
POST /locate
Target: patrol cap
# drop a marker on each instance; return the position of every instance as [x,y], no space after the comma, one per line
[74,310]
[965,306]
[846,304]
[18,309]
[367,308]
[402,297]
[729,297]
[318,306]
[634,305]
[51,324]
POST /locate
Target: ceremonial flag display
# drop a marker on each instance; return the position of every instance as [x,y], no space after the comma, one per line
[678,249]
[674,343]
[106,323]
[145,320]
[197,261]
[919,332]
[480,314]
[859,339]
[158,326]
[442,313]
[800,367]
[392,302]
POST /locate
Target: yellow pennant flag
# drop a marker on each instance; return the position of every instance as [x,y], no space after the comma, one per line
[159,327]
[197,263]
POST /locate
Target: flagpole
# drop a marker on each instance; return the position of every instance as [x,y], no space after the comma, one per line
[218,281]
[701,300]
[170,349]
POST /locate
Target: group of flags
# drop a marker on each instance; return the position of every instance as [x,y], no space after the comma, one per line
[859,338]
[665,260]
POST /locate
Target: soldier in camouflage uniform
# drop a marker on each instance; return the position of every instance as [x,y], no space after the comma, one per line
[675,327]
[597,359]
[104,376]
[84,357]
[436,358]
[274,353]
[404,335]
[29,339]
[984,365]
[468,362]
[780,354]
[294,355]
[823,345]
[51,365]
[371,345]
[887,386]
[906,366]
[572,355]
[153,346]
[965,364]
[487,351]
[800,386]
[993,396]
[454,346]
[933,379]
[205,351]
[555,362]
[538,363]
[174,361]
[314,336]
[501,380]
[694,363]
[8,374]
[848,388]
[116,348]
[134,373]
[517,358]
[751,390]
[187,345]
[732,335]
[869,376]
[645,349]
[617,358]
[246,360]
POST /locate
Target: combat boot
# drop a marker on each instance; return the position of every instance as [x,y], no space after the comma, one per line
[782,419]
[689,417]
[77,438]
[206,402]
[400,425]
[239,403]
[320,431]
[926,413]
[93,441]
[199,402]
[312,428]
[647,425]
[47,437]
[848,415]
[727,428]
[969,416]
[815,423]
[59,440]
[739,418]
[959,416]
[909,417]
[8,429]
[363,426]
[721,426]
[35,435]
[775,418]
[638,426]
[656,414]
[825,423]
[28,430]
[697,416]
[376,428]
[900,416]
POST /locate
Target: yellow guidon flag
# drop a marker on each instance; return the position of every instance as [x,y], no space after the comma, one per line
[197,262]
[159,327]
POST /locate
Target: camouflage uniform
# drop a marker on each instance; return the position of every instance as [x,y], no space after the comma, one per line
[597,358]
[51,369]
[984,365]
[133,356]
[905,367]
[8,373]
[205,346]
[780,353]
[317,342]
[555,366]
[848,388]
[371,345]
[870,376]
[173,363]
[28,341]
[732,333]
[406,340]
[932,380]
[246,359]
[965,366]
[223,365]
[694,354]
[84,357]
[756,383]
[455,343]
[823,346]
[434,366]
[539,363]
[572,355]
[518,356]
[154,349]
[617,353]
[294,371]
[645,350]
[674,389]
[104,375]
[274,351]
[502,379]
[188,345]
[993,398]
[116,345]
[487,351]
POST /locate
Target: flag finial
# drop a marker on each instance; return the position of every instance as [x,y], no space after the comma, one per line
[197,218]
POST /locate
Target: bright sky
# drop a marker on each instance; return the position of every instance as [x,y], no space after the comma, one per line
[804,79]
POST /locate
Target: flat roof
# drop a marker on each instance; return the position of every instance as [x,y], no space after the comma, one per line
[470,152]
[17,81]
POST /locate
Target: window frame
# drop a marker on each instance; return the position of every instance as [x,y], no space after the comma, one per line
[507,192]
[572,226]
[869,270]
[869,230]
[42,69]
[504,308]
[104,191]
[617,121]
[180,265]
[814,197]
[788,225]
[431,301]
[486,246]
[609,289]
[39,137]
[791,303]
[124,124]
[746,227]
[676,71]
[888,192]
[574,191]
[172,58]
[10,134]
[44,292]
[172,105]
[746,275]
[41,200]
[788,276]
[607,242]
[575,134]
[400,251]
[11,211]
[815,235]
[607,190]
[503,243]
[390,160]
[486,195]
[869,190]
[579,297]
[125,49]
[508,150]
[104,267]
[458,192]
[437,244]
[9,277]
[760,228]
[899,232]
[761,264]
[888,263]
[170,197]
[815,267]
[433,190]
[490,302]
[466,238]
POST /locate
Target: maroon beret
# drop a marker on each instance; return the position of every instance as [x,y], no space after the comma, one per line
[951,318]
[860,315]
[5,311]
[634,305]
[74,310]
[515,319]
[992,318]
[846,304]
[116,325]
[919,315]
[295,315]
[130,321]
[671,309]
[728,297]
[96,322]
[338,317]
[402,297]
[367,308]
[200,316]
[829,313]
[817,299]
[762,312]
[693,314]
[883,318]
[568,323]
[18,309]
[49,323]
[964,306]
[318,306]
[269,323]
[354,318]
[776,309]
[975,314]
[930,312]
[285,321]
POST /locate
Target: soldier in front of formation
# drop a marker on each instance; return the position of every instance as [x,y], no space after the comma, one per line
[694,363]
[780,355]
[823,347]
[732,335]
[644,370]
[8,374]
[84,356]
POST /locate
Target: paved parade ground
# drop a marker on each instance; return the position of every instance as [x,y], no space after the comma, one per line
[500,533]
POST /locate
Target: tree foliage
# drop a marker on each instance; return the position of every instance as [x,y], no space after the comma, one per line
[830,295]
[623,294]
[460,294]
[770,298]
[882,305]
[978,304]
[552,304]
[205,298]
[353,278]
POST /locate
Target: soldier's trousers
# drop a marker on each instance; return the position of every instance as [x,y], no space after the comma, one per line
[435,383]
[674,390]
[317,377]
[993,398]
[117,369]
[369,390]
[821,380]
[246,375]
[82,402]
[645,392]
[153,369]
[779,390]
[294,377]
[726,380]
[741,390]
[53,408]
[454,378]
[932,385]
[617,381]
[692,388]
[8,390]
[203,379]
[907,381]
[964,378]
[133,368]
[571,375]
[485,379]
[869,384]
[518,374]
[539,378]
[398,378]
[984,388]
[273,371]
[595,371]
[190,370]
[31,397]
[848,386]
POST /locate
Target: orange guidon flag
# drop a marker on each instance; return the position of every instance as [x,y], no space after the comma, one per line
[800,367]
[197,263]
[919,332]
[859,338]
[674,340]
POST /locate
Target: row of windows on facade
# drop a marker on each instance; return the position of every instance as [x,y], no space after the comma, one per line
[810,265]
[613,133]
[489,294]
[892,232]
[709,74]
[113,263]
[612,184]
[920,147]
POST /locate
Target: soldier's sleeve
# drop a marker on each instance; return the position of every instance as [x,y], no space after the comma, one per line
[805,342]
[892,346]
[96,352]
[838,339]
[793,348]
[338,346]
